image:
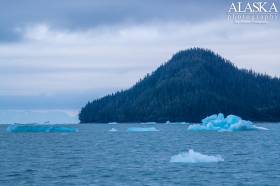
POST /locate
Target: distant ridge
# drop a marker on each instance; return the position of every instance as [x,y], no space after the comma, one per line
[194,83]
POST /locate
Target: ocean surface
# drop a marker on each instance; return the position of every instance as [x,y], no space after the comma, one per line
[96,156]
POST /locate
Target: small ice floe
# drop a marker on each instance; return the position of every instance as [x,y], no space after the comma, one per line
[112,123]
[180,123]
[16,128]
[195,157]
[167,122]
[149,123]
[113,130]
[142,129]
[221,124]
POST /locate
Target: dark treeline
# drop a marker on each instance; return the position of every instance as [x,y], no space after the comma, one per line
[193,84]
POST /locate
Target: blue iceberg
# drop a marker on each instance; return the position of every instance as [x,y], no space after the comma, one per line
[15,128]
[221,124]
[142,129]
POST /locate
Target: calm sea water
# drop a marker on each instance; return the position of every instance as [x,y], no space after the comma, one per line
[94,156]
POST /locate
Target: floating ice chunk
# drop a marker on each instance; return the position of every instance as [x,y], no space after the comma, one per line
[175,123]
[40,128]
[113,130]
[179,123]
[182,123]
[112,123]
[220,123]
[194,157]
[149,123]
[142,129]
[198,127]
[261,128]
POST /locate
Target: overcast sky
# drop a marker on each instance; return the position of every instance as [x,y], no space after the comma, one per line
[60,54]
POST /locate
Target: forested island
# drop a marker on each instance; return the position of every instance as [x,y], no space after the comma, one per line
[193,84]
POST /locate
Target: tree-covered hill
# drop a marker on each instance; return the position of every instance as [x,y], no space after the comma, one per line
[194,83]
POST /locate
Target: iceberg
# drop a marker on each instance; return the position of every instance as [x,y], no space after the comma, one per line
[142,129]
[112,123]
[221,124]
[195,157]
[15,128]
[113,130]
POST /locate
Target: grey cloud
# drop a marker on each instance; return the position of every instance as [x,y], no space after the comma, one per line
[84,14]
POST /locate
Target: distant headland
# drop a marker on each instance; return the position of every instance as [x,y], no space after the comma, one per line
[193,84]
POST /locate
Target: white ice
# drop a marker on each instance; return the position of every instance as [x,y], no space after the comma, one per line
[142,129]
[194,157]
[113,130]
